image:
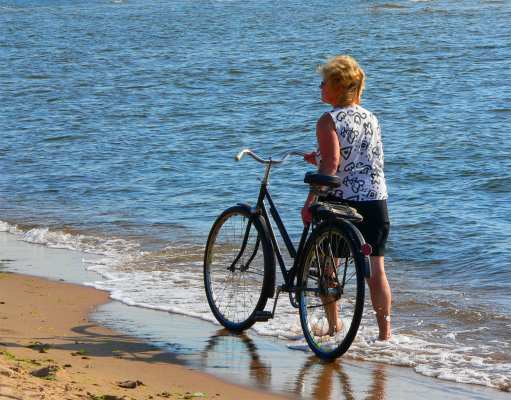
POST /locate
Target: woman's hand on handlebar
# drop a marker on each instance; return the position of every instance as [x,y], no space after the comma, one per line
[311,158]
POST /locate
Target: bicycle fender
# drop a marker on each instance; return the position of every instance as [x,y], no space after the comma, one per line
[269,279]
[359,239]
[248,207]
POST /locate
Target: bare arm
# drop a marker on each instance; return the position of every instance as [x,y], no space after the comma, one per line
[328,144]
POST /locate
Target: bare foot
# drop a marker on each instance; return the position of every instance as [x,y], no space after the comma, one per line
[320,328]
[323,328]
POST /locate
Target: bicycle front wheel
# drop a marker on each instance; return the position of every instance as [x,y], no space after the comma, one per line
[331,290]
[236,268]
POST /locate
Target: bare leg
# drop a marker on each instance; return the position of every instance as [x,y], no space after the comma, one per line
[334,321]
[381,296]
[331,307]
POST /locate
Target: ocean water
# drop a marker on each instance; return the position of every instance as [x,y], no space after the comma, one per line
[119,122]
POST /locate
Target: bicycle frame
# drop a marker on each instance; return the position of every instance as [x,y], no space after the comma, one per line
[261,211]
[264,194]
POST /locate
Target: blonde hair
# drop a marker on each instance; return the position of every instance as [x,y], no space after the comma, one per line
[343,74]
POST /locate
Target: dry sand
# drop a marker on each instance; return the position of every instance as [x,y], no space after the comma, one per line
[44,327]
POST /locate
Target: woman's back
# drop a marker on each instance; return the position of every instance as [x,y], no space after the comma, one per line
[361,161]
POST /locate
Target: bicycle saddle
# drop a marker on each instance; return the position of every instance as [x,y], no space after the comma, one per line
[316,179]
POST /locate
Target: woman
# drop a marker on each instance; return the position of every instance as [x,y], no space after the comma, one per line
[350,146]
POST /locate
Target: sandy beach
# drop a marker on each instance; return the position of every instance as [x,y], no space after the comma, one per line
[45,331]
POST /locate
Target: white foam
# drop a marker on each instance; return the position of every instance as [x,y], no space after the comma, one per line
[63,240]
[6,227]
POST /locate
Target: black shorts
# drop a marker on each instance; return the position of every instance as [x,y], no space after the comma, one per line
[375,226]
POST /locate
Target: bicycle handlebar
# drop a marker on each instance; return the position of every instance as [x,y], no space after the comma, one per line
[249,152]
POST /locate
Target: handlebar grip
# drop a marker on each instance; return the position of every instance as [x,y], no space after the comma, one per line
[240,155]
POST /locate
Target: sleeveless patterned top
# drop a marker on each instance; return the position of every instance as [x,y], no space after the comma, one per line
[361,161]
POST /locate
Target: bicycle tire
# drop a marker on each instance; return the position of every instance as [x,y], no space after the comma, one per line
[323,298]
[235,290]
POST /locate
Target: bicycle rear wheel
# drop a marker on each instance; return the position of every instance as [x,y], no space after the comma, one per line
[331,295]
[237,268]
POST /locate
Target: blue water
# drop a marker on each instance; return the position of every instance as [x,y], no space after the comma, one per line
[121,119]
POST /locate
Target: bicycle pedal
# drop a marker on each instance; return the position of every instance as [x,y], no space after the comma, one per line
[283,288]
[261,316]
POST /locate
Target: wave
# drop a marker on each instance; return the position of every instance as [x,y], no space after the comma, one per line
[388,6]
[67,239]
[64,138]
[11,9]
[500,184]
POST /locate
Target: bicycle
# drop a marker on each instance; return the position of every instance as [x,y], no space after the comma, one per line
[325,282]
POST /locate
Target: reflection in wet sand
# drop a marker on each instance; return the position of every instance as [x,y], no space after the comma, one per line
[225,342]
[314,380]
[324,381]
[377,391]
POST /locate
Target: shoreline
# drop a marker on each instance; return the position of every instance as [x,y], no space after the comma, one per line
[45,324]
[261,365]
